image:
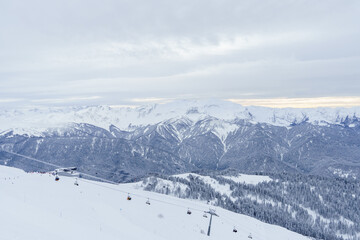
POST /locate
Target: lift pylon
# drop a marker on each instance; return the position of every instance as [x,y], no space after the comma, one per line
[211,212]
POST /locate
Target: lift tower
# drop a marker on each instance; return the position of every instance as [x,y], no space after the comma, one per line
[211,212]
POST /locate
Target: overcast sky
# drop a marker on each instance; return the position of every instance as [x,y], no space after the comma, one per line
[86,52]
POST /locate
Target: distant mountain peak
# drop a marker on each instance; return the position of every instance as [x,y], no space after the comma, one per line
[36,120]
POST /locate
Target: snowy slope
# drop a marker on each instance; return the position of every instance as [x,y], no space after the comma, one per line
[36,120]
[249,179]
[221,188]
[241,178]
[34,206]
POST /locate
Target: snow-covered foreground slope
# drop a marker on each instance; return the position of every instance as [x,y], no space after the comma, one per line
[34,206]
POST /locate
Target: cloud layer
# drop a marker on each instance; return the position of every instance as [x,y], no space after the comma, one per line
[107,52]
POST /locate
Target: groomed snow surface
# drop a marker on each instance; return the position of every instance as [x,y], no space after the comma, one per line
[34,206]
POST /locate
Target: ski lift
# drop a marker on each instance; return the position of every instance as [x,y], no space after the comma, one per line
[235,230]
[250,236]
[128,197]
[70,171]
[188,211]
[148,202]
[57,178]
[76,182]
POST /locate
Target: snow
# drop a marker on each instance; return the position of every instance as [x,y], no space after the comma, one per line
[314,215]
[163,185]
[342,173]
[249,179]
[35,121]
[34,206]
[262,200]
[223,189]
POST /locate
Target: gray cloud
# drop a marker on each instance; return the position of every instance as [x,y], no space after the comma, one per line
[107,52]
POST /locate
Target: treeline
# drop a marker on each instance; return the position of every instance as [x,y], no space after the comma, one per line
[319,207]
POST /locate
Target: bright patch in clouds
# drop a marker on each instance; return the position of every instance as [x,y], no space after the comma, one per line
[301,102]
[65,100]
[182,48]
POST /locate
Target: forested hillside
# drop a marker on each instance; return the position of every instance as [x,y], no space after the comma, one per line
[323,208]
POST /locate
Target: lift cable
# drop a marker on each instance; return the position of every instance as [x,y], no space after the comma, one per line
[230,221]
[99,178]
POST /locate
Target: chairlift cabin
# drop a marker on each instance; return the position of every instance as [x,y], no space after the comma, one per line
[69,172]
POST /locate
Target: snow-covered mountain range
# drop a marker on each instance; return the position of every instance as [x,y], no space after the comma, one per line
[34,121]
[182,136]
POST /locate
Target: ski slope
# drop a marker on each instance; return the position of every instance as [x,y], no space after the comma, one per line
[34,206]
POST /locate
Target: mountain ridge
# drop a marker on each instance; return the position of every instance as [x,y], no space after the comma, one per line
[183,143]
[37,120]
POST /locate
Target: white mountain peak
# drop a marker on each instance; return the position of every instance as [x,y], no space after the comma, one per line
[36,120]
